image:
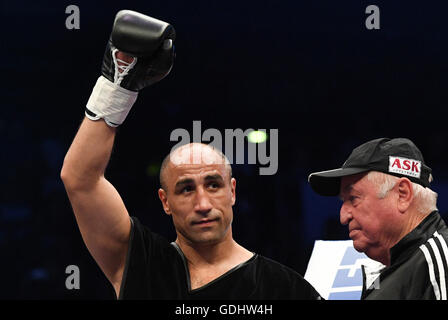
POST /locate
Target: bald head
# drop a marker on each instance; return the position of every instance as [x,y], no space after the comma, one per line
[192,154]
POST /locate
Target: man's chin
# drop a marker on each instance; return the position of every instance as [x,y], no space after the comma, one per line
[371,251]
[207,239]
[359,246]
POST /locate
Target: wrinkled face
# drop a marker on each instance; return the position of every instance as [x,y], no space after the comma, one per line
[199,197]
[372,222]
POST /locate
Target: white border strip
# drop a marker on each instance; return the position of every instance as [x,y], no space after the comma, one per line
[346,289]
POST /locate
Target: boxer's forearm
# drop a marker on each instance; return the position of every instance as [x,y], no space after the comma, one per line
[89,154]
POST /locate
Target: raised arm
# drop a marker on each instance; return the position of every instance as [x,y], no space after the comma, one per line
[100,213]
[139,53]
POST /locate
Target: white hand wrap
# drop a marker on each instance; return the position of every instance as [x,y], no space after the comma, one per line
[110,102]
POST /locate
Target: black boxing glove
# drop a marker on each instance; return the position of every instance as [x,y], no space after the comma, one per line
[139,53]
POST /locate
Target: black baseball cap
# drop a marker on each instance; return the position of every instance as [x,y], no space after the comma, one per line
[398,157]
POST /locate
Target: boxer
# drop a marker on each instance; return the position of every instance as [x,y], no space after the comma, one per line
[204,261]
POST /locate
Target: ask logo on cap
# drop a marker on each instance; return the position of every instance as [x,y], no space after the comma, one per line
[398,157]
[409,167]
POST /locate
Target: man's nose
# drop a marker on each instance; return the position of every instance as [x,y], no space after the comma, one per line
[345,214]
[203,204]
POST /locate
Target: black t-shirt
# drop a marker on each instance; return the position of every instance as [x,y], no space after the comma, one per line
[157,269]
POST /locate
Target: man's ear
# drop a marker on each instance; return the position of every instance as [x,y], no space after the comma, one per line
[405,194]
[164,199]
[233,186]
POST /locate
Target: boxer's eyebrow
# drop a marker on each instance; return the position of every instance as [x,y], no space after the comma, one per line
[214,177]
[183,182]
[189,181]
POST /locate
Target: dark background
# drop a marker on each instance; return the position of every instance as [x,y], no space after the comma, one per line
[310,69]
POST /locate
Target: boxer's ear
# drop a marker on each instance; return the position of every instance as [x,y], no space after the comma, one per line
[233,186]
[164,199]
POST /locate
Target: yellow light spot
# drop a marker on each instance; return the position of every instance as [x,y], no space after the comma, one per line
[257,137]
[152,169]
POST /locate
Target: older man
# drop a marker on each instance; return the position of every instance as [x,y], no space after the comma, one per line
[392,217]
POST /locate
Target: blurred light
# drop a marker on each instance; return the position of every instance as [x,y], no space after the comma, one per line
[39,274]
[14,213]
[257,136]
[153,169]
